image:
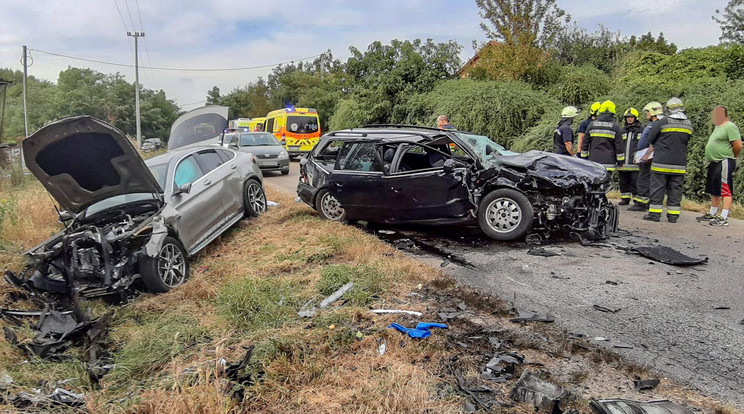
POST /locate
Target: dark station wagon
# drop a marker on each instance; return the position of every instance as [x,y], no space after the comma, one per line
[406,174]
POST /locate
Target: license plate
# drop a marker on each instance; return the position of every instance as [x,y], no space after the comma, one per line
[294,147]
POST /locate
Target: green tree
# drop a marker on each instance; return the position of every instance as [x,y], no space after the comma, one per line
[647,43]
[731,21]
[213,96]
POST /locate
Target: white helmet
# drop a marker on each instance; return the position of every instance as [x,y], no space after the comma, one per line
[675,105]
[569,112]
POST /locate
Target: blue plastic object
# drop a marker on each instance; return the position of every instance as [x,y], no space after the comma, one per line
[421,330]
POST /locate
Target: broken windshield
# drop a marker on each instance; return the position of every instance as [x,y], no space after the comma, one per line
[483,147]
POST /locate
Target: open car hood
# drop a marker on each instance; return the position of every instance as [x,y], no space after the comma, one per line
[560,170]
[82,160]
[198,126]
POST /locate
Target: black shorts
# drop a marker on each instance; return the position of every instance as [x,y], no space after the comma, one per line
[720,181]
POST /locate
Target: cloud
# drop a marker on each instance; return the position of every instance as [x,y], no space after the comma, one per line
[232,33]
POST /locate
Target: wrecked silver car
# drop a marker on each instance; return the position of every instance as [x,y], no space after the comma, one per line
[405,174]
[126,219]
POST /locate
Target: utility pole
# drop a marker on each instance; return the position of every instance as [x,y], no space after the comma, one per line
[137,35]
[4,85]
[25,110]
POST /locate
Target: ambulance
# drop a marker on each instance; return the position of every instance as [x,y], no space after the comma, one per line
[298,127]
[239,124]
[257,124]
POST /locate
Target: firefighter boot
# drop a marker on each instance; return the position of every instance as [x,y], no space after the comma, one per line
[653,217]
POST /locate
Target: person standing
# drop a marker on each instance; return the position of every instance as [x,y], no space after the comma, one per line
[668,138]
[593,112]
[601,137]
[563,135]
[654,111]
[443,123]
[627,167]
[724,146]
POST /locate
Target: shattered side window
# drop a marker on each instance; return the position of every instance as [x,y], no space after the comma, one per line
[359,156]
[483,146]
[330,152]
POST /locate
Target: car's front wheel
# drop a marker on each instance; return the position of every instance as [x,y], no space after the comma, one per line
[254,198]
[505,214]
[169,269]
[329,207]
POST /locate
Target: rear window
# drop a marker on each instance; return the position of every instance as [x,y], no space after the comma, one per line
[260,139]
[302,124]
[209,160]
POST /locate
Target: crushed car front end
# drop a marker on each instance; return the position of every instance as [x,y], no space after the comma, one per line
[568,195]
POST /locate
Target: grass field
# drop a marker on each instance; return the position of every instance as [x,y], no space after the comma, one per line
[168,351]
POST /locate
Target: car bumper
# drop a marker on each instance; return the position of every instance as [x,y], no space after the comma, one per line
[299,149]
[273,164]
[307,193]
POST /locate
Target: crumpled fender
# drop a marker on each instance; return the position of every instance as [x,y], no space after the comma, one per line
[168,217]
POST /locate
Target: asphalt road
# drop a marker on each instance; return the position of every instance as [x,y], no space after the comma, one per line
[686,323]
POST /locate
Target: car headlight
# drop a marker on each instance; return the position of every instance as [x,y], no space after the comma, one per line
[283,154]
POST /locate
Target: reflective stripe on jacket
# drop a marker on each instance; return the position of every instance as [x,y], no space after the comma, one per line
[627,147]
[669,137]
[600,140]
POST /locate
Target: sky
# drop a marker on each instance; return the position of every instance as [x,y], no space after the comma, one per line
[247,33]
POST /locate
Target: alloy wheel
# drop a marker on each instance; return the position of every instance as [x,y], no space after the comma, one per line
[171,265]
[331,207]
[503,215]
[256,198]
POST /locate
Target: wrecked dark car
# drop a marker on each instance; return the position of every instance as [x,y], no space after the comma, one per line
[406,174]
[127,220]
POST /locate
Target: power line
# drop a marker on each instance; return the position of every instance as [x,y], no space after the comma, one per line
[131,20]
[176,69]
[147,49]
[125,26]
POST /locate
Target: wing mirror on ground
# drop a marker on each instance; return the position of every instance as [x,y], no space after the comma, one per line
[449,166]
[183,189]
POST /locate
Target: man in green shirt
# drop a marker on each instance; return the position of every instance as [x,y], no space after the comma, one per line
[724,145]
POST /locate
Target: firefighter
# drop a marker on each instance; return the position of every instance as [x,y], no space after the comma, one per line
[563,135]
[601,137]
[668,138]
[593,112]
[654,111]
[626,148]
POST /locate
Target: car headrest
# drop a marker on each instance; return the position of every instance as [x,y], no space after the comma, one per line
[388,156]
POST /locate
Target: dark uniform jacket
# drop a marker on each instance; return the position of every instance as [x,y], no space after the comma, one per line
[562,134]
[627,147]
[669,137]
[600,140]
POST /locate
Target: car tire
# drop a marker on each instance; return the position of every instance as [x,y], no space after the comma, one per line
[328,207]
[285,172]
[166,271]
[505,214]
[254,198]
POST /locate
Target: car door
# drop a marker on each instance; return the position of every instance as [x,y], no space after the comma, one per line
[356,181]
[233,200]
[217,172]
[197,206]
[420,189]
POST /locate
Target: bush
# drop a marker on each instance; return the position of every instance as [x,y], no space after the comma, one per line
[581,85]
[500,110]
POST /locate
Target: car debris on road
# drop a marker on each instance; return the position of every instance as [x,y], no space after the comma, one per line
[619,406]
[544,395]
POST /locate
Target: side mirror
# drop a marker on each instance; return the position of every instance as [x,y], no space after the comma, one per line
[183,189]
[449,166]
[303,161]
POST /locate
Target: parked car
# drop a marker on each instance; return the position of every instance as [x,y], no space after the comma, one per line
[151,144]
[270,153]
[126,219]
[226,138]
[403,174]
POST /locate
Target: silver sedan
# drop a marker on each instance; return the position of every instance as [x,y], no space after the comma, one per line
[270,153]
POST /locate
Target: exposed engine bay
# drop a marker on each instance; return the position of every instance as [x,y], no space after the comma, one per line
[95,255]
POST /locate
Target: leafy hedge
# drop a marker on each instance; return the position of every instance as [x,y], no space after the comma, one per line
[500,110]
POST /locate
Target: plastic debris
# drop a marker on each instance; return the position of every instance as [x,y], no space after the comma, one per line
[668,255]
[606,309]
[336,295]
[270,203]
[382,346]
[407,312]
[421,330]
[542,252]
[527,316]
[614,406]
[645,385]
[502,367]
[544,395]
